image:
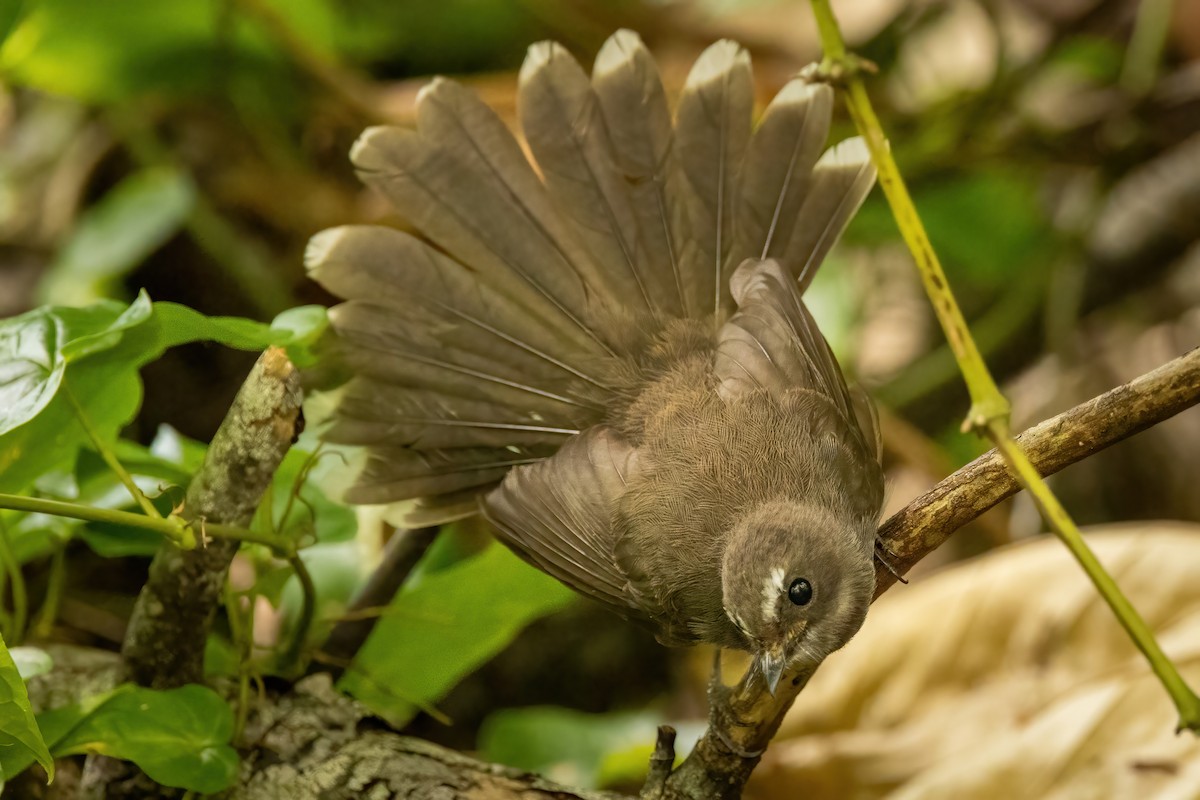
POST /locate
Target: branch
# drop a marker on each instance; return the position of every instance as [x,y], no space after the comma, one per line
[315,742]
[924,524]
[164,646]
[746,717]
[180,533]
[400,555]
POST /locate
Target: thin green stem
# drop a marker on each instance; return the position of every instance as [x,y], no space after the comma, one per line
[180,532]
[20,599]
[308,607]
[47,615]
[987,403]
[989,408]
[109,457]
[297,485]
[1057,517]
[239,634]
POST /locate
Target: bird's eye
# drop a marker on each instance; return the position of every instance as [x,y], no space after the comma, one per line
[800,592]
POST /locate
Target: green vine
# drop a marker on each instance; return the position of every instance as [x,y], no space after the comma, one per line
[990,410]
[181,532]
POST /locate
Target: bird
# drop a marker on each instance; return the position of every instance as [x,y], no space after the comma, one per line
[603,348]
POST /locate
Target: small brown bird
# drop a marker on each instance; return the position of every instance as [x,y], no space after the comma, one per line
[610,356]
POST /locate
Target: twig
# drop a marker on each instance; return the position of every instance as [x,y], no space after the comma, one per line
[308,605]
[164,646]
[925,523]
[661,762]
[241,624]
[400,555]
[180,532]
[749,716]
[990,410]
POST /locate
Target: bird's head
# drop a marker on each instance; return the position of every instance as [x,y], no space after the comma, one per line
[797,580]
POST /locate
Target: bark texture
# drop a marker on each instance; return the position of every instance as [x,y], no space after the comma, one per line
[164,645]
[316,743]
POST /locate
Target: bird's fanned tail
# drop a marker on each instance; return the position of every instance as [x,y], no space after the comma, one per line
[491,341]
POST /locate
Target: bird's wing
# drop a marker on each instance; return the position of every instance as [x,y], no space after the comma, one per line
[558,515]
[772,343]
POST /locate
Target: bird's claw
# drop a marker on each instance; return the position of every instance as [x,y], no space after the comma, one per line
[880,547]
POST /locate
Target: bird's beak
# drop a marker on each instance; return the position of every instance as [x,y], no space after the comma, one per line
[770,664]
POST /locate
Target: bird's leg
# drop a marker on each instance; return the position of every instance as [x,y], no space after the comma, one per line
[881,548]
[718,692]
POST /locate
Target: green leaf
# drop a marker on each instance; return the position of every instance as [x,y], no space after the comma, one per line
[19,731]
[1094,57]
[220,657]
[31,661]
[103,345]
[101,52]
[163,480]
[447,625]
[110,394]
[178,737]
[172,325]
[31,366]
[303,326]
[82,344]
[117,233]
[34,536]
[171,458]
[565,745]
[10,15]
[54,724]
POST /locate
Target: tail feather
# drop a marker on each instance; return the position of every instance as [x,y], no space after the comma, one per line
[431,421]
[635,111]
[712,130]
[399,362]
[561,118]
[777,176]
[840,182]
[400,472]
[462,180]
[389,267]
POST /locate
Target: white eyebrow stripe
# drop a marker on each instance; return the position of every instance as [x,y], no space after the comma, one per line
[772,586]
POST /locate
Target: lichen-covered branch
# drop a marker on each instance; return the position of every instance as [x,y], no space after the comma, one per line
[315,742]
[164,645]
[746,717]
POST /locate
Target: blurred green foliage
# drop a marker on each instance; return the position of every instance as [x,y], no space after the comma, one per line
[202,141]
[448,622]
